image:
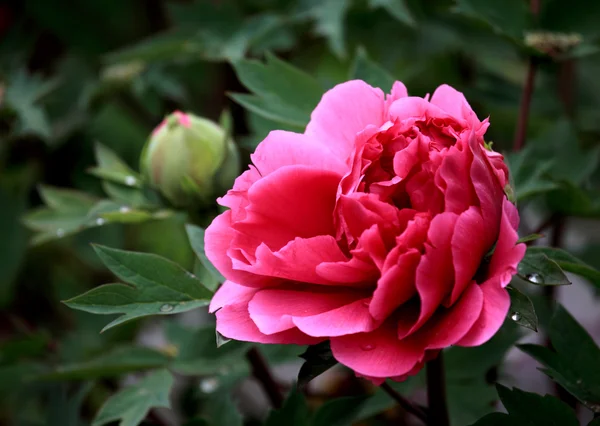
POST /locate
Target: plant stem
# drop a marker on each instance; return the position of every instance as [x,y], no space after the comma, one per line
[260,370]
[436,392]
[521,130]
[408,406]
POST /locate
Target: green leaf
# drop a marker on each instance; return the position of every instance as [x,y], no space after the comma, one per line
[495,419]
[318,360]
[595,422]
[381,401]
[196,237]
[570,263]
[574,361]
[112,168]
[522,311]
[532,409]
[221,410]
[574,17]
[329,16]
[538,269]
[397,8]
[282,92]
[66,200]
[470,396]
[158,287]
[510,17]
[365,69]
[530,173]
[197,353]
[338,412]
[293,413]
[115,363]
[528,238]
[131,404]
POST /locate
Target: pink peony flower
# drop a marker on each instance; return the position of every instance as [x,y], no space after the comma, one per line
[373,230]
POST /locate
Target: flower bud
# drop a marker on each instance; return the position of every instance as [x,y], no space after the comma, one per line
[190,159]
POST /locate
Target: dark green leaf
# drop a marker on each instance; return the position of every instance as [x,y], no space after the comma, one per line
[521,309]
[112,168]
[365,69]
[531,409]
[574,362]
[397,8]
[329,16]
[318,360]
[338,412]
[496,419]
[158,287]
[114,363]
[530,173]
[196,237]
[528,238]
[293,413]
[381,401]
[510,17]
[577,17]
[131,404]
[570,263]
[538,269]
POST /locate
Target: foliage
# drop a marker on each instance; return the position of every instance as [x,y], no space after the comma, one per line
[82,85]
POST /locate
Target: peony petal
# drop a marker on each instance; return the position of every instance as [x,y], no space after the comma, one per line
[296,261]
[487,187]
[237,197]
[293,201]
[435,273]
[348,319]
[377,353]
[447,327]
[507,254]
[454,175]
[396,285]
[398,91]
[281,148]
[273,310]
[470,243]
[496,303]
[453,103]
[217,242]
[233,322]
[343,112]
[231,293]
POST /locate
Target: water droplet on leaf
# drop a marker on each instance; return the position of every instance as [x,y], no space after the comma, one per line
[367,347]
[167,308]
[515,316]
[130,180]
[100,221]
[124,209]
[209,385]
[535,278]
[60,232]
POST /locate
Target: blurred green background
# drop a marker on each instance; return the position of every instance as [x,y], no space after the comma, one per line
[74,73]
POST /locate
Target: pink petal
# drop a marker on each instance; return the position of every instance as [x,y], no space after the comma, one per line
[398,91]
[496,303]
[414,107]
[435,273]
[281,148]
[296,261]
[344,111]
[396,286]
[237,197]
[450,325]
[231,293]
[487,187]
[217,242]
[452,102]
[293,201]
[377,353]
[507,253]
[470,243]
[233,322]
[348,319]
[454,173]
[273,310]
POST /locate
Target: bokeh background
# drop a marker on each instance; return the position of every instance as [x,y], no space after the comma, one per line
[74,73]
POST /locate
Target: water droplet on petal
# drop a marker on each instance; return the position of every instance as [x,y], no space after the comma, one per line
[366,303]
[515,316]
[100,221]
[60,232]
[130,180]
[167,308]
[209,385]
[367,347]
[124,209]
[535,278]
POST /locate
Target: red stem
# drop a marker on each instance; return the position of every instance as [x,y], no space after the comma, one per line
[260,370]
